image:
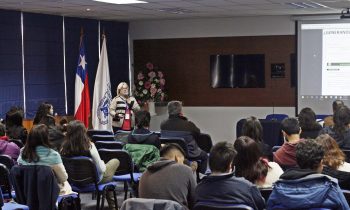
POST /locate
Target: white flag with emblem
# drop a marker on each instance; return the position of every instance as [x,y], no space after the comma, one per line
[101,119]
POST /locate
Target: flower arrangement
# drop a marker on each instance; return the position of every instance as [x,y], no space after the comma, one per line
[150,85]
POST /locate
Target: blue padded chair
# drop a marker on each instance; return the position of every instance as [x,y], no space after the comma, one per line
[150,204]
[7,161]
[83,177]
[125,172]
[207,205]
[276,117]
[5,183]
[275,148]
[92,132]
[96,138]
[10,206]
[109,145]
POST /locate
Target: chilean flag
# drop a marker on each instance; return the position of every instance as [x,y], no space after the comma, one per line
[82,95]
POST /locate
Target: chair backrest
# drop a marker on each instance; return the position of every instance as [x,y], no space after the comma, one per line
[204,142]
[177,140]
[150,204]
[81,170]
[217,206]
[4,179]
[92,132]
[126,165]
[7,161]
[122,136]
[35,186]
[96,138]
[276,117]
[18,142]
[347,153]
[109,145]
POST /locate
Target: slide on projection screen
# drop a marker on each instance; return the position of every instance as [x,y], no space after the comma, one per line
[323,64]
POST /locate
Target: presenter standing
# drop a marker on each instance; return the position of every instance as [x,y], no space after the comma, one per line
[122,109]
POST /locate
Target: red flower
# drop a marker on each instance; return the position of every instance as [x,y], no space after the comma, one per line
[149,66]
[147,85]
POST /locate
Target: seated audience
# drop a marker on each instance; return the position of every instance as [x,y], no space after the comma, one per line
[328,121]
[340,132]
[178,122]
[43,110]
[56,137]
[14,127]
[77,143]
[306,187]
[285,156]
[334,163]
[250,164]
[37,151]
[63,125]
[141,134]
[169,178]
[7,148]
[222,186]
[307,121]
[253,129]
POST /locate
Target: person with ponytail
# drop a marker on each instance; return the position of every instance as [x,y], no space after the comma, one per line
[250,164]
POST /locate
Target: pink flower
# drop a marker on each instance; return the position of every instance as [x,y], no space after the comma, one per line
[147,85]
[140,76]
[151,74]
[153,91]
[160,74]
[162,82]
[149,66]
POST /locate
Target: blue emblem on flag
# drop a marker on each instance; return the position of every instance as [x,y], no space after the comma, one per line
[103,107]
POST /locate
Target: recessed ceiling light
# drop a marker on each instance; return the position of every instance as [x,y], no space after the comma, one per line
[88,9]
[122,1]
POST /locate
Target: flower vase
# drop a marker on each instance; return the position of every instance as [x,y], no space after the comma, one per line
[152,108]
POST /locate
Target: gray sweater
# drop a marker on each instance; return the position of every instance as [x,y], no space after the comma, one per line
[166,179]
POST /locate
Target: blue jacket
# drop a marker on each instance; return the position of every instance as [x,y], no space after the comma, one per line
[304,189]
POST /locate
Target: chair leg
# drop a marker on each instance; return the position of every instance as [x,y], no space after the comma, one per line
[115,198]
[103,199]
[98,201]
[125,190]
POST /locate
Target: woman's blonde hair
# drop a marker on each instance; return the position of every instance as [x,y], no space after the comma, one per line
[333,156]
[120,86]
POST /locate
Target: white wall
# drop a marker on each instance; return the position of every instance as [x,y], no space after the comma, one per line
[219,122]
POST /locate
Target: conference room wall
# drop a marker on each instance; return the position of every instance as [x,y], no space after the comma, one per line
[218,121]
[42,77]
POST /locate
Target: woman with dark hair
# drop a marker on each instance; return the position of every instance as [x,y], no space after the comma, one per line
[340,132]
[253,129]
[37,151]
[77,143]
[141,134]
[43,110]
[307,121]
[334,161]
[14,127]
[250,164]
[56,137]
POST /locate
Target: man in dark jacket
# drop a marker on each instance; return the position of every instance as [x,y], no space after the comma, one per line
[305,187]
[169,178]
[142,134]
[177,122]
[222,186]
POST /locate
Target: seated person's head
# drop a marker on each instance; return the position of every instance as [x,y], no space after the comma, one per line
[252,128]
[333,155]
[174,108]
[142,119]
[341,119]
[76,139]
[307,119]
[309,155]
[221,157]
[290,126]
[336,104]
[14,117]
[48,120]
[173,152]
[2,130]
[38,136]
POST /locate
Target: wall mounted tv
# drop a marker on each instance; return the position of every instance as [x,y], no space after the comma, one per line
[237,71]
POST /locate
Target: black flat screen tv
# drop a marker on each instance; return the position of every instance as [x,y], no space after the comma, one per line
[237,71]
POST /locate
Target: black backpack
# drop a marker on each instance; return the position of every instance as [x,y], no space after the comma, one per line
[69,203]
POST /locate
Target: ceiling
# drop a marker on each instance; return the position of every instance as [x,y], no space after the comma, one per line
[176,9]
